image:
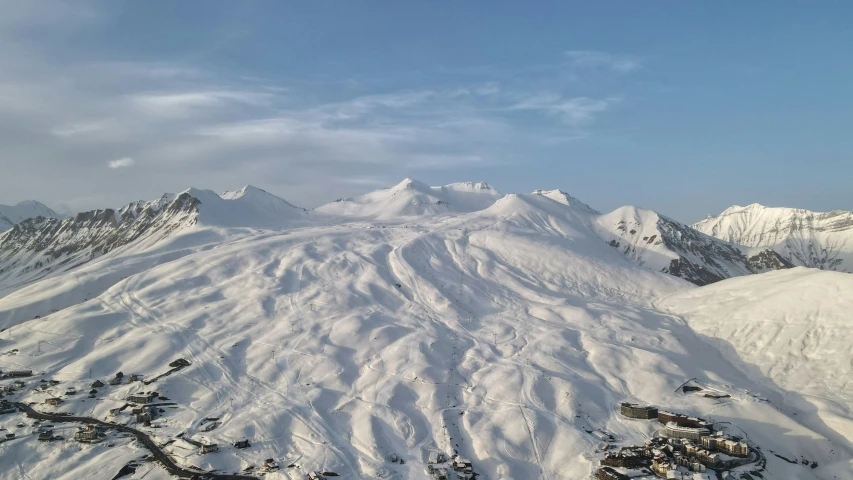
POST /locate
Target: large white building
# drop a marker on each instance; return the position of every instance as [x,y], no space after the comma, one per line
[675,431]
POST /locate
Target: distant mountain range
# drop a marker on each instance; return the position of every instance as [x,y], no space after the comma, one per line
[739,241]
[804,238]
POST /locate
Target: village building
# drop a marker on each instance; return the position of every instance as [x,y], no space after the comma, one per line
[270,464]
[607,473]
[440,473]
[436,457]
[633,410]
[242,444]
[142,397]
[97,384]
[46,436]
[208,448]
[115,381]
[114,412]
[19,373]
[735,449]
[71,391]
[134,378]
[53,401]
[18,384]
[624,459]
[92,393]
[89,434]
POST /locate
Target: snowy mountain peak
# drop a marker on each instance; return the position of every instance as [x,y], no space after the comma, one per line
[414,198]
[472,187]
[566,199]
[410,184]
[812,239]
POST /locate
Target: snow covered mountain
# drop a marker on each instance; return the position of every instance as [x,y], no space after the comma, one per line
[337,341]
[413,198]
[664,245]
[40,246]
[804,238]
[12,214]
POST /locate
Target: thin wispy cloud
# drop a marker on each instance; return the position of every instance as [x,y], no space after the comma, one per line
[123,162]
[620,63]
[574,111]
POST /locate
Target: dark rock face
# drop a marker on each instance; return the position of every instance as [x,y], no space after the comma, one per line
[718,260]
[40,245]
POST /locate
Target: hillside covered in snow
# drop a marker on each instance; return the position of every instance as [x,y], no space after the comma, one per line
[413,320]
[804,238]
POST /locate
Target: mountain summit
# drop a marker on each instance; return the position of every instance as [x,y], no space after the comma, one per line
[804,238]
[12,214]
[414,198]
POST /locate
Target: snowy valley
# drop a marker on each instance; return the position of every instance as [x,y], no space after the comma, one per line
[372,334]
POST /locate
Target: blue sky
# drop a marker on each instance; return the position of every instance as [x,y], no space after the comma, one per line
[683,108]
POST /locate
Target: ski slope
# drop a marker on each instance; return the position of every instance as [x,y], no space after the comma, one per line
[503,333]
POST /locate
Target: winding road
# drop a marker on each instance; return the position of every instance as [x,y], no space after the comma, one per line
[166,462]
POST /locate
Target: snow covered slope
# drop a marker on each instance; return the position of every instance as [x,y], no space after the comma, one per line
[505,334]
[805,238]
[12,214]
[791,330]
[664,245]
[413,198]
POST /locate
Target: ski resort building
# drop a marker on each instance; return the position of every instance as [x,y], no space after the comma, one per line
[675,430]
[728,446]
[633,410]
[683,420]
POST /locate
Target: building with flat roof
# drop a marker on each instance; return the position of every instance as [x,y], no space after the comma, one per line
[633,410]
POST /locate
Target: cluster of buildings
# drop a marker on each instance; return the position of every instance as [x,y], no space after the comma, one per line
[690,442]
[439,468]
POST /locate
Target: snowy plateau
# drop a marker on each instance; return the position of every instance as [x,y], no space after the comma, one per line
[369,334]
